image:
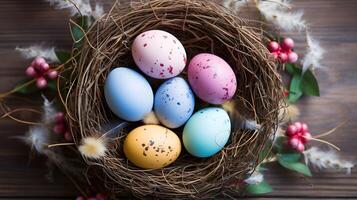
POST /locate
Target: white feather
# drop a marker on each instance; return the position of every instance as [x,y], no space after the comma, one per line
[39,51]
[326,160]
[250,125]
[82,6]
[275,12]
[234,5]
[314,53]
[255,178]
[49,111]
[98,11]
[38,137]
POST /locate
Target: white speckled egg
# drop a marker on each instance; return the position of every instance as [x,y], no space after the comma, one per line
[159,54]
[174,102]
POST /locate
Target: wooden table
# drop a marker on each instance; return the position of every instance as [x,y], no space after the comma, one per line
[334,22]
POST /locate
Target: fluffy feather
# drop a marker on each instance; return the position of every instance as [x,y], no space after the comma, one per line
[82,6]
[255,178]
[151,118]
[314,55]
[39,51]
[275,12]
[49,111]
[94,148]
[250,125]
[98,11]
[234,5]
[289,113]
[326,160]
[38,137]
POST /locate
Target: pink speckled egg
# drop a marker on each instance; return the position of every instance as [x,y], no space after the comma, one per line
[159,54]
[211,78]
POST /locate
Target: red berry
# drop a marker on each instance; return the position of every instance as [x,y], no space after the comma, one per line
[305,137]
[41,83]
[59,117]
[275,55]
[294,142]
[92,198]
[31,72]
[58,128]
[292,130]
[38,61]
[44,67]
[80,198]
[298,126]
[273,46]
[52,74]
[300,147]
[292,57]
[68,136]
[304,128]
[283,57]
[287,44]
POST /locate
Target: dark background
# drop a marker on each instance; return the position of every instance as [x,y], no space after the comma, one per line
[333,22]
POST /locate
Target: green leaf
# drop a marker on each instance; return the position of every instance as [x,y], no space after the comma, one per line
[290,157]
[260,188]
[309,84]
[295,166]
[28,89]
[292,69]
[63,56]
[76,30]
[266,151]
[295,91]
[52,85]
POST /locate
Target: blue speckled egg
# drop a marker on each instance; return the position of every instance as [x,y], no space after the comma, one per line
[206,132]
[174,102]
[128,94]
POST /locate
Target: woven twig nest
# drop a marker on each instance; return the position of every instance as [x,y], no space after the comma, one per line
[201,26]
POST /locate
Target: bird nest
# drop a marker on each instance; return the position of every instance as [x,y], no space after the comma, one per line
[201,26]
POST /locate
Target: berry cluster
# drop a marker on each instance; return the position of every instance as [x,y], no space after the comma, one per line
[40,70]
[96,197]
[61,127]
[284,51]
[298,135]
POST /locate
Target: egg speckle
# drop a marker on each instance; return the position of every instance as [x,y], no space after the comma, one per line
[174,102]
[152,146]
[159,54]
[211,78]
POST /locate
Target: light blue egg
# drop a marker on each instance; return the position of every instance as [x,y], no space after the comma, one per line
[206,132]
[128,94]
[174,102]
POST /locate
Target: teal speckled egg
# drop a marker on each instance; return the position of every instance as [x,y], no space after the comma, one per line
[206,132]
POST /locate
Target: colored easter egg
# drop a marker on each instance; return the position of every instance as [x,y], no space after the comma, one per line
[159,54]
[152,146]
[174,102]
[211,78]
[128,94]
[206,132]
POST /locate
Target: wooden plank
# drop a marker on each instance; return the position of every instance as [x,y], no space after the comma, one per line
[27,22]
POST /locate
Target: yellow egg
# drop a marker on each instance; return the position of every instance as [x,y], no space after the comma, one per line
[152,146]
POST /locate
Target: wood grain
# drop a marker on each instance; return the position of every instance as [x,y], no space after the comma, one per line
[333,22]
